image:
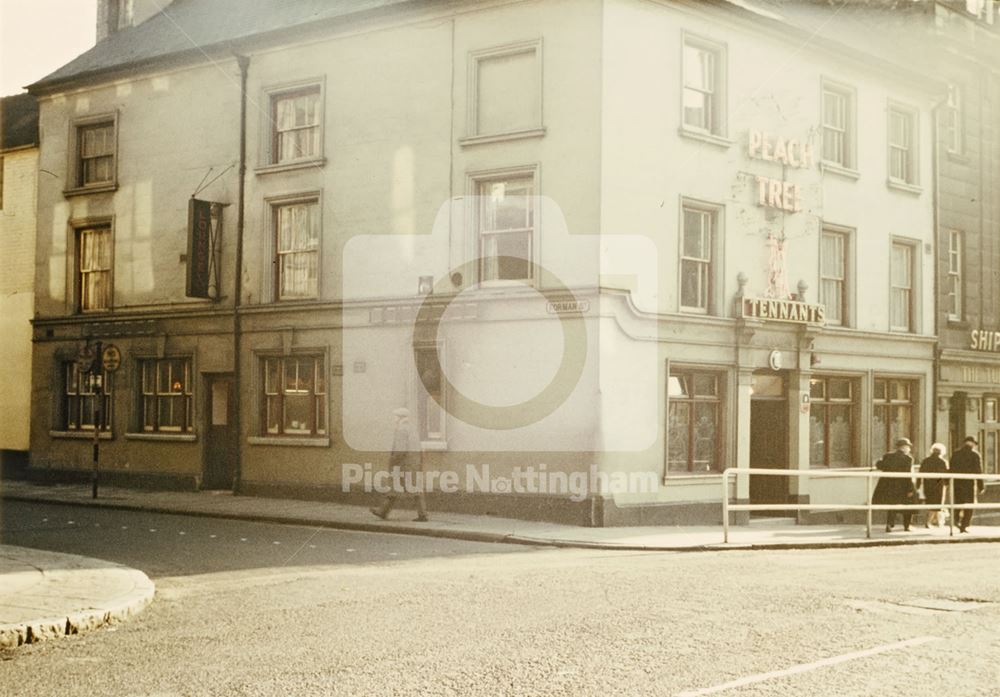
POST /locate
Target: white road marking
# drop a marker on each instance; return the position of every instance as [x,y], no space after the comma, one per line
[243,539]
[805,667]
[124,527]
[152,529]
[276,542]
[212,536]
[182,533]
[70,522]
[350,550]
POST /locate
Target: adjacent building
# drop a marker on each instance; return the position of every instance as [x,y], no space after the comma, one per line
[618,242]
[18,175]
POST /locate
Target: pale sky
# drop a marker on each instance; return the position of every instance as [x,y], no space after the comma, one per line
[38,36]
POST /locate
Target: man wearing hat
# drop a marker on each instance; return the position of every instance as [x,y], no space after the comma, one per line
[966,460]
[896,490]
[406,462]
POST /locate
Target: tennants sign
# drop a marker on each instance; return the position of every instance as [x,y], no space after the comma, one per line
[779,310]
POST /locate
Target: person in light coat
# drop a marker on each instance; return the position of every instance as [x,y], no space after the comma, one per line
[935,489]
[406,459]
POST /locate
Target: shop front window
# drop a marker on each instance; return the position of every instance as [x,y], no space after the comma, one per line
[694,428]
[831,422]
[892,414]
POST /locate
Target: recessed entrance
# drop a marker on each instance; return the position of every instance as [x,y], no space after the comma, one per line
[769,439]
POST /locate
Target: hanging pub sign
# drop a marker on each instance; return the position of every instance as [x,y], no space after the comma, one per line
[779,310]
[199,249]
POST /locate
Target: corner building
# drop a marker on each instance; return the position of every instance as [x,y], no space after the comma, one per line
[774,185]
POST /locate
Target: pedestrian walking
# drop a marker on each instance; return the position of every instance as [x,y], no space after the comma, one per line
[406,465]
[934,488]
[966,460]
[896,490]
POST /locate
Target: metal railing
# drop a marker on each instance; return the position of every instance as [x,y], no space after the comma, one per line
[868,506]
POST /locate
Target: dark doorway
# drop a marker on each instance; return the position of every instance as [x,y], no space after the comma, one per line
[217,468]
[769,450]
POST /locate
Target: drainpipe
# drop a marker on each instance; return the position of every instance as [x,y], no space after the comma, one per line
[936,203]
[244,63]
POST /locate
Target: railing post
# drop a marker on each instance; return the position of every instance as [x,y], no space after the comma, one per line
[868,503]
[725,506]
[951,506]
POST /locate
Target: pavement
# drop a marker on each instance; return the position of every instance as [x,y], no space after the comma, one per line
[44,594]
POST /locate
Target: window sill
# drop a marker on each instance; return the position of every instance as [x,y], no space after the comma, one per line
[958,157]
[167,437]
[701,312]
[80,435]
[434,445]
[292,441]
[956,323]
[705,137]
[839,170]
[84,190]
[904,186]
[502,137]
[313,162]
[690,477]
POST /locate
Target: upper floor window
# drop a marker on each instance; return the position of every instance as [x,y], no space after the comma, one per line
[833,275]
[295,125]
[95,154]
[297,231]
[954,286]
[93,271]
[505,90]
[902,145]
[506,228]
[838,125]
[697,258]
[703,97]
[901,310]
[952,121]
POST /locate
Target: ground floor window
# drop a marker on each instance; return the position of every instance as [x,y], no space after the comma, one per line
[80,400]
[294,399]
[894,406]
[694,422]
[831,422]
[430,393]
[166,402]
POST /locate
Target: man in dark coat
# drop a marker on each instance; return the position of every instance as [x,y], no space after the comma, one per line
[966,460]
[895,490]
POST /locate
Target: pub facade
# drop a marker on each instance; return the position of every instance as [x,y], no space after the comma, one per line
[593,239]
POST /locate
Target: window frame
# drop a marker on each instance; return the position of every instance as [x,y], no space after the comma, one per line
[849,133]
[475,58]
[912,402]
[186,396]
[854,404]
[69,367]
[75,170]
[271,95]
[718,104]
[953,123]
[692,398]
[428,438]
[846,236]
[320,367]
[275,205]
[78,228]
[716,213]
[912,248]
[912,150]
[956,276]
[476,181]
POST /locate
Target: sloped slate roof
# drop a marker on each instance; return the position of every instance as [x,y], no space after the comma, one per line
[18,121]
[191,25]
